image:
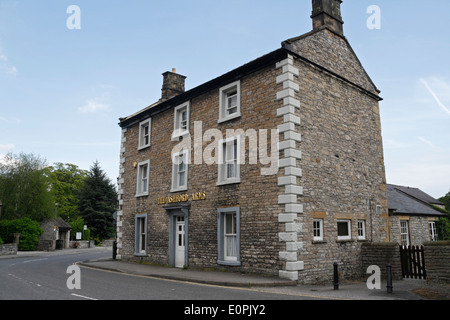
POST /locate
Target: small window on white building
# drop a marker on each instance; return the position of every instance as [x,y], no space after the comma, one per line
[433,231]
[181,120]
[179,171]
[229,161]
[318,229]
[230,102]
[344,229]
[145,128]
[361,230]
[143,174]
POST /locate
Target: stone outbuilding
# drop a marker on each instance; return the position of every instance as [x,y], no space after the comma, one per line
[413,215]
[56,235]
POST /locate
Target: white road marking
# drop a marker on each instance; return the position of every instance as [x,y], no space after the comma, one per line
[28,261]
[84,297]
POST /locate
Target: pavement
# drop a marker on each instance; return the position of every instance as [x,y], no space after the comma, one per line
[407,289]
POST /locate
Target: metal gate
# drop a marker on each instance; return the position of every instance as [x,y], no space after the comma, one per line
[413,262]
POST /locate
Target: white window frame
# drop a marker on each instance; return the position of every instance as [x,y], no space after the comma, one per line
[361,229]
[349,228]
[223,101]
[404,233]
[317,229]
[230,237]
[175,171]
[142,182]
[142,143]
[224,160]
[141,235]
[433,230]
[178,131]
[223,236]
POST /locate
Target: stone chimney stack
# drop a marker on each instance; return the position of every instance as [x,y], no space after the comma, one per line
[327,13]
[173,84]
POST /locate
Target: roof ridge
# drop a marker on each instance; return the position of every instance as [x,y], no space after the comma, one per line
[417,199]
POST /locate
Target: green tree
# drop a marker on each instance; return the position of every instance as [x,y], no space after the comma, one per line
[443,224]
[98,203]
[24,186]
[446,200]
[77,225]
[66,181]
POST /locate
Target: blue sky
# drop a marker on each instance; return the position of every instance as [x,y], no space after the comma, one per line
[62,91]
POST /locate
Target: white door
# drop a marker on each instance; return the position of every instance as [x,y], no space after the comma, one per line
[180,245]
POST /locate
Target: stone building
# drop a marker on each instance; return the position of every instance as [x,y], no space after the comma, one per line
[413,215]
[56,235]
[275,167]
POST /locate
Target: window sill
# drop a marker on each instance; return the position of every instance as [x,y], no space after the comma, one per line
[229,181]
[144,147]
[225,119]
[174,190]
[318,242]
[176,136]
[141,195]
[140,254]
[229,263]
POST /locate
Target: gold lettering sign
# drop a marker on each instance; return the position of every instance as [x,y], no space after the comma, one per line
[182,198]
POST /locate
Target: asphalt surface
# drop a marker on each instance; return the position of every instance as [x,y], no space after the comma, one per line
[43,275]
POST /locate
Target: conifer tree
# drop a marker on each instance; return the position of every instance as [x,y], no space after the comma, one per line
[98,202]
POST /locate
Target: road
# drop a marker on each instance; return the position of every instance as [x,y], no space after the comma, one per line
[45,277]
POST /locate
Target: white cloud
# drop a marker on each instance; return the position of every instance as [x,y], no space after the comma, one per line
[93,106]
[5,66]
[6,147]
[431,177]
[11,120]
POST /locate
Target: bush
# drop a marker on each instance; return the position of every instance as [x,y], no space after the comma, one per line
[1,241]
[443,228]
[29,232]
[77,225]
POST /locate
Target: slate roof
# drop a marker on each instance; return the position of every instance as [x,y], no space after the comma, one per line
[411,201]
[419,194]
[61,224]
[236,74]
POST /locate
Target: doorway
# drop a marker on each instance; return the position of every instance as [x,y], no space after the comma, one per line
[180,243]
[178,234]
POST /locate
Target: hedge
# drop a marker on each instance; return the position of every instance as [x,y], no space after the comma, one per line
[29,232]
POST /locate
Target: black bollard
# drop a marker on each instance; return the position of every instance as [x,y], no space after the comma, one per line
[335,276]
[389,278]
[114,251]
